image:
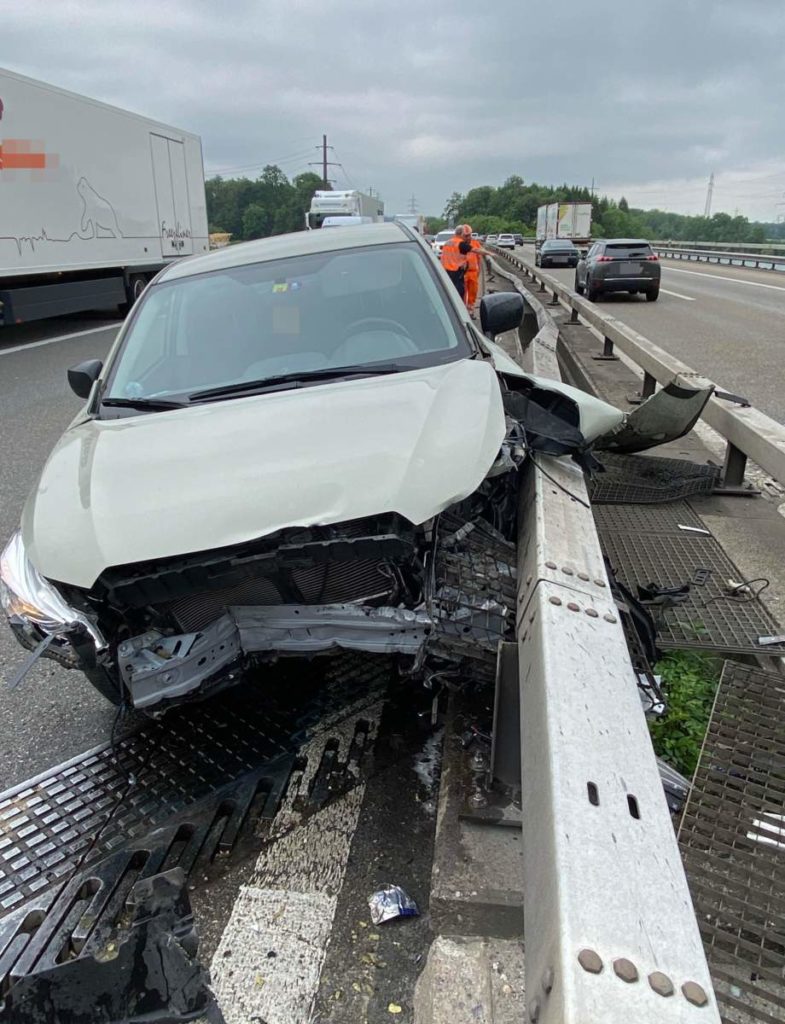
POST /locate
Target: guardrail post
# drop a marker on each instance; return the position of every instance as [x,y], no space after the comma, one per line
[554,300]
[542,286]
[607,350]
[735,466]
[574,315]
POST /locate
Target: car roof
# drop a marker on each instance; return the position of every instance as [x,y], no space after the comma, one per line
[279,247]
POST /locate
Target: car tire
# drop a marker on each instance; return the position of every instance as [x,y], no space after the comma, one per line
[578,285]
[652,294]
[592,291]
[109,688]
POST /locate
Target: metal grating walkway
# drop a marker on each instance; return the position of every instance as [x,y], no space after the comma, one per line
[732,838]
[634,540]
[648,479]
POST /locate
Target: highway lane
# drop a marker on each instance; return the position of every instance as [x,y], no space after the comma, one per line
[727,323]
[54,714]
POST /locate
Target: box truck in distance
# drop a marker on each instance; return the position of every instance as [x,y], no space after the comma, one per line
[564,220]
[94,201]
[347,203]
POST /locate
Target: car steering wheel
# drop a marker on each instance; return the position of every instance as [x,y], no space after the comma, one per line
[380,323]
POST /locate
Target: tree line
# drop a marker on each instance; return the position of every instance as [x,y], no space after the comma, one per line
[513,207]
[272,204]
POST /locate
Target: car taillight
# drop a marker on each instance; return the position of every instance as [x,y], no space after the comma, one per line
[604,259]
[654,258]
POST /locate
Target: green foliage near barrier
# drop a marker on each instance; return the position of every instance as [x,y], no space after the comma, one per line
[513,207]
[689,681]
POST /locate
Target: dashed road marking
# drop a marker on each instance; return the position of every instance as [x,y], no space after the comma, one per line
[60,337]
[678,295]
[268,963]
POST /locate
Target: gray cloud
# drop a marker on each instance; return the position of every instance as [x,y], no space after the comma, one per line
[428,99]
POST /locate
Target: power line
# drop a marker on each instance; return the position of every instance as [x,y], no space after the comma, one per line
[265,163]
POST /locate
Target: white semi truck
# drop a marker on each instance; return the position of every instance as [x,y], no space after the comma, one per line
[94,201]
[564,220]
[328,205]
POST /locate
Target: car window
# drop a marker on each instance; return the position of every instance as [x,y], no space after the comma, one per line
[444,235]
[559,244]
[625,250]
[360,306]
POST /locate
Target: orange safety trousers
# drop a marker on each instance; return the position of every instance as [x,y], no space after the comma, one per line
[471,284]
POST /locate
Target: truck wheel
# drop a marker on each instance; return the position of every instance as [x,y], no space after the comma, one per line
[133,291]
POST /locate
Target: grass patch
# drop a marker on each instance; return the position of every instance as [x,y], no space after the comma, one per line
[689,680]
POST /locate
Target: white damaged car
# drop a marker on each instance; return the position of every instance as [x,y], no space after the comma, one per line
[296,445]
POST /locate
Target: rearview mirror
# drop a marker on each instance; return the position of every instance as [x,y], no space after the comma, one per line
[500,312]
[82,376]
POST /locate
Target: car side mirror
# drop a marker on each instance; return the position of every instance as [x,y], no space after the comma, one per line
[500,312]
[82,376]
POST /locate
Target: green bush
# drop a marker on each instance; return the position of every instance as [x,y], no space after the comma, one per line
[689,680]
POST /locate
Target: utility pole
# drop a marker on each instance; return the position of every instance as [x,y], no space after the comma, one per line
[709,190]
[592,187]
[325,163]
[413,204]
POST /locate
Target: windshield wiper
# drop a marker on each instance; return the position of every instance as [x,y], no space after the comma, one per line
[154,404]
[295,378]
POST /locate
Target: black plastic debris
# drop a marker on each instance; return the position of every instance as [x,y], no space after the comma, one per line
[143,967]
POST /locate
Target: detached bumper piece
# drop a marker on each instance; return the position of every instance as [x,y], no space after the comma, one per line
[137,964]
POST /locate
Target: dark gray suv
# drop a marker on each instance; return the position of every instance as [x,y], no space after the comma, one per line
[619,265]
[557,252]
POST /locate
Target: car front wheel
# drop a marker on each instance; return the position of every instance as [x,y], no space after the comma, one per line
[592,292]
[578,286]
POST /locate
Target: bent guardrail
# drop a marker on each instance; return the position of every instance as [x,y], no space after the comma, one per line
[752,260]
[748,432]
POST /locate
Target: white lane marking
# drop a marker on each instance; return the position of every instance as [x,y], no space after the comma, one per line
[289,905]
[721,277]
[51,341]
[678,295]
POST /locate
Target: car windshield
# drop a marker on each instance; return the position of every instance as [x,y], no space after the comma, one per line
[379,305]
[625,250]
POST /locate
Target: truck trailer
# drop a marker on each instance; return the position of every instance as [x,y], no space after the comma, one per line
[564,220]
[94,201]
[347,203]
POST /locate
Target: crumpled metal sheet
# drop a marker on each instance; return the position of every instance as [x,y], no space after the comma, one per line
[670,413]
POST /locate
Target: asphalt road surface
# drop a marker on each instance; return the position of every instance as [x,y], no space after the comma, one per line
[55,713]
[725,322]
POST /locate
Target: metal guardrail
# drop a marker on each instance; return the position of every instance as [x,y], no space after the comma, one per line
[756,260]
[610,933]
[749,433]
[761,248]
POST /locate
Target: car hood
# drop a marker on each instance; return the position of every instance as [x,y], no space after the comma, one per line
[115,492]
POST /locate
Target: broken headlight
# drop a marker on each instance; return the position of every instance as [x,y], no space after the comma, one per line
[32,603]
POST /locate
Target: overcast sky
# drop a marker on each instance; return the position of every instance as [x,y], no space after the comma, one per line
[423,99]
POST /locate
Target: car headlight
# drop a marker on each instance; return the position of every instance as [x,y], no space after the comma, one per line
[30,600]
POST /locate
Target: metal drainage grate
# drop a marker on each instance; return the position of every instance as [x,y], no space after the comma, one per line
[732,838]
[648,479]
[709,619]
[205,766]
[647,518]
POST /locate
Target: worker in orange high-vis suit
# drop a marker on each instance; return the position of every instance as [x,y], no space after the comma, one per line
[454,257]
[472,277]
